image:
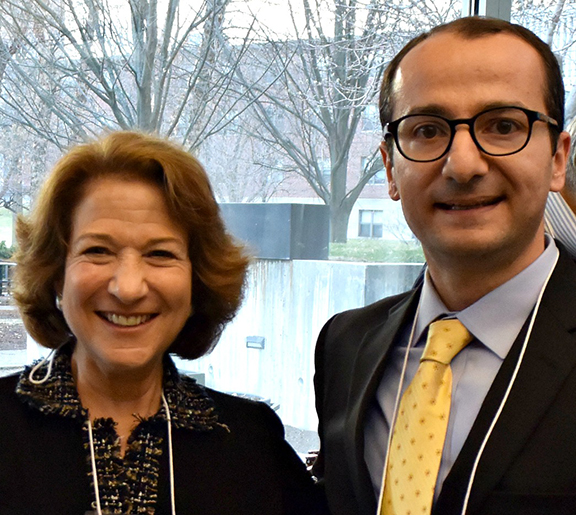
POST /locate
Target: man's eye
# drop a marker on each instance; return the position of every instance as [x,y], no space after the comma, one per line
[503,126]
[429,131]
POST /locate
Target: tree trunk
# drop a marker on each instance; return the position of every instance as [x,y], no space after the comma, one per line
[339,216]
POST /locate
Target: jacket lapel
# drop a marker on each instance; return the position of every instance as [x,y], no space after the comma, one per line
[550,356]
[367,374]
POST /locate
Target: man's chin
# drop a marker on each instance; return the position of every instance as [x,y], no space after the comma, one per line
[478,252]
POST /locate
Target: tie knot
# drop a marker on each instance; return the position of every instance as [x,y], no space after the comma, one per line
[446,338]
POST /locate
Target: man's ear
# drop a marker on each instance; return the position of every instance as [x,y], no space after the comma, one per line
[389,166]
[559,162]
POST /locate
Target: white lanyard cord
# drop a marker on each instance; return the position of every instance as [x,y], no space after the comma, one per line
[35,368]
[170,455]
[397,404]
[94,471]
[170,459]
[508,389]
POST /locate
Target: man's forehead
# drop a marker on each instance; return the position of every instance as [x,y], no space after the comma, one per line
[451,69]
[452,41]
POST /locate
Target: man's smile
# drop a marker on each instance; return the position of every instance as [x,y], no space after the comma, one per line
[462,205]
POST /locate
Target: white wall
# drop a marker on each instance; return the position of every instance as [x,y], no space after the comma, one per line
[287,303]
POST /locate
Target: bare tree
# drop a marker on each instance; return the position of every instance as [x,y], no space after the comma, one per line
[241,167]
[320,84]
[555,22]
[76,67]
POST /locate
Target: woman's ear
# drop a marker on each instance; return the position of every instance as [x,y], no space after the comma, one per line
[58,287]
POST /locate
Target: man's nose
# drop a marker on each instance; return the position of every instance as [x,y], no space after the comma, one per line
[128,283]
[464,159]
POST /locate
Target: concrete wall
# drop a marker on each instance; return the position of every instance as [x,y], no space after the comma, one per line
[287,303]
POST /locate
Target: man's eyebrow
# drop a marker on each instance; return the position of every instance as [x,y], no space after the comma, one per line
[429,109]
[436,109]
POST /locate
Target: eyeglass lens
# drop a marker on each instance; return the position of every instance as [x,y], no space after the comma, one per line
[497,132]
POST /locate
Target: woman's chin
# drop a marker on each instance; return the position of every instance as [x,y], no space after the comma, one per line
[125,361]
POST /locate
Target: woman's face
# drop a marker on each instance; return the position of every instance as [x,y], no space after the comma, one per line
[128,279]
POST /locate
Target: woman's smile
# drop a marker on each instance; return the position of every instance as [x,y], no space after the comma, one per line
[126,320]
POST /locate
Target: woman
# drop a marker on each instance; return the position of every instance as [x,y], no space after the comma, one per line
[125,259]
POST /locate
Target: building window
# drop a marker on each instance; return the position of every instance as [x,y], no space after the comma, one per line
[371,119]
[378,177]
[367,163]
[370,225]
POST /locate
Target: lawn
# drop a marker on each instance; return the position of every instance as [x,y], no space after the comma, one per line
[377,251]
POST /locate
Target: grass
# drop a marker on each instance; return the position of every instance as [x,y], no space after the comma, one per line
[377,251]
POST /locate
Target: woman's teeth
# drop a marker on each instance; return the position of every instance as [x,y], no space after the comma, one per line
[127,320]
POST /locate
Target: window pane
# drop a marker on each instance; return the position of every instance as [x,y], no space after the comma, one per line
[272,150]
[364,230]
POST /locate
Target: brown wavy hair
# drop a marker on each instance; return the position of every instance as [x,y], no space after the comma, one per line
[218,263]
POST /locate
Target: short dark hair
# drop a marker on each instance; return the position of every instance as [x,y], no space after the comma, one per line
[474,27]
[218,264]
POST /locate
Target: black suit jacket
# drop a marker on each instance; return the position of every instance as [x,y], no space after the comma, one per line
[529,463]
[248,470]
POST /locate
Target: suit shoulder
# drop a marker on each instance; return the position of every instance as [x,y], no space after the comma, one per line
[345,330]
[8,384]
[378,311]
[238,410]
[14,411]
[234,400]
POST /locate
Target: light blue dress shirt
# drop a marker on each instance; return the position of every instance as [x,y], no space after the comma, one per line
[495,321]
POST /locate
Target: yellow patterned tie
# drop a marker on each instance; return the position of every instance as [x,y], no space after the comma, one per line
[420,429]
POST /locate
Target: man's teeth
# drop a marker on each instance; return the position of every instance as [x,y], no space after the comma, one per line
[127,321]
[460,207]
[454,207]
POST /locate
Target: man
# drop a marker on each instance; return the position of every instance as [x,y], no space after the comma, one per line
[560,217]
[473,116]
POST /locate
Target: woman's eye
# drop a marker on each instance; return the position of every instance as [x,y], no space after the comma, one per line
[96,251]
[161,254]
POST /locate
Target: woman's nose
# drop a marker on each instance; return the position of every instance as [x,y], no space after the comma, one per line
[128,282]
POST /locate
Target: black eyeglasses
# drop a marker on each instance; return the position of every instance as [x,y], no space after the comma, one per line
[500,131]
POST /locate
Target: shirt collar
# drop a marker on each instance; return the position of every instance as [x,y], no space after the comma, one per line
[497,318]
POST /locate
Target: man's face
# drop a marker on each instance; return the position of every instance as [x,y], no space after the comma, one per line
[469,206]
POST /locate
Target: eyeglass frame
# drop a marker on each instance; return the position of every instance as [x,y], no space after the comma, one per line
[391,129]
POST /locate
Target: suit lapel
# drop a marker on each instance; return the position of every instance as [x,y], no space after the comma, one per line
[550,356]
[366,377]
